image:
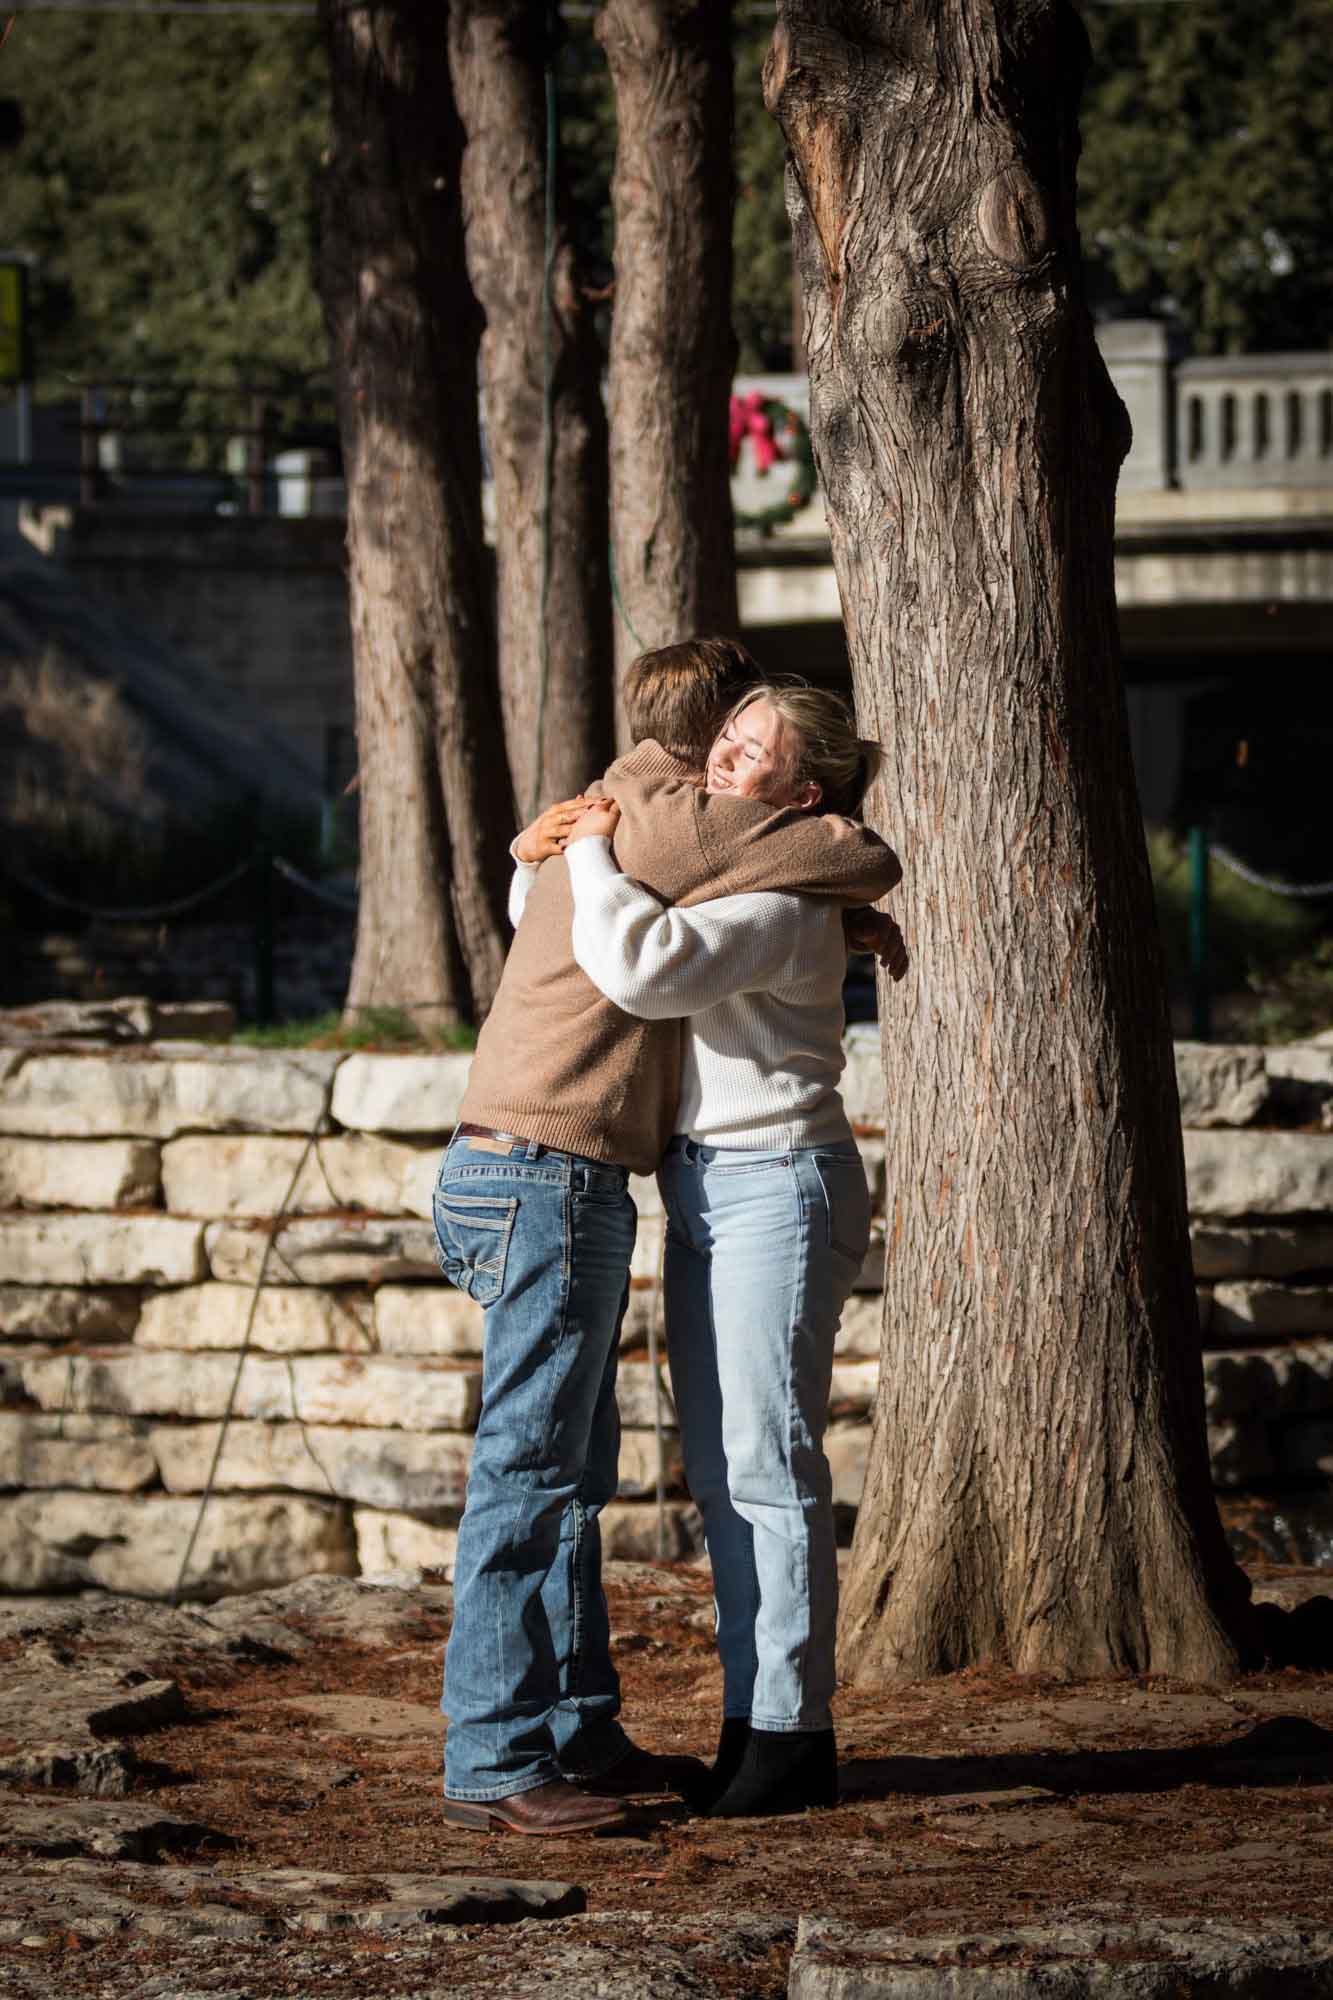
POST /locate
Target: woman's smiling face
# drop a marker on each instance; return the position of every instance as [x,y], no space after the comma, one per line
[750,759]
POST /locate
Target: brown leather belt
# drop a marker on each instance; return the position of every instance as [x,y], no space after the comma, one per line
[488,1132]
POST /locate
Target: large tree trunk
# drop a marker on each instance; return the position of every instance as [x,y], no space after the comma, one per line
[672,348]
[548,458]
[435,801]
[1038,1487]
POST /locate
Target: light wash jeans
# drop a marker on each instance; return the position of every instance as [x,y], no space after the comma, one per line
[542,1240]
[762,1251]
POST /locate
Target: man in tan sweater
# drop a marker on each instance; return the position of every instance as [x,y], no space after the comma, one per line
[566,1097]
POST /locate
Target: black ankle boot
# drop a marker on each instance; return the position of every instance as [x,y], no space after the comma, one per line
[782,1772]
[731,1742]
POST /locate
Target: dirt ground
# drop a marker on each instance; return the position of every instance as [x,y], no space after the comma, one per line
[978,1801]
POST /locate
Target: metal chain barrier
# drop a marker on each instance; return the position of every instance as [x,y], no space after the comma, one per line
[1257,881]
[337,899]
[148,913]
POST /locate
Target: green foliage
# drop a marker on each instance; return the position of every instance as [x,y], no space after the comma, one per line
[167,183]
[761,309]
[1270,968]
[1207,167]
[1295,1000]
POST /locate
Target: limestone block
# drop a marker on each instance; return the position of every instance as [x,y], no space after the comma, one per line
[66,1312]
[390,1541]
[854,1387]
[858,1334]
[1259,1173]
[383,1093]
[251,1175]
[1279,1251]
[288,1319]
[636,1399]
[427,1319]
[413,1471]
[419,1174]
[629,1531]
[638,1464]
[183,1087]
[1242,1384]
[862,1084]
[324,1250]
[132,1019]
[100,1250]
[1252,1307]
[109,1454]
[1220,1083]
[314,1388]
[1241,1454]
[12,1360]
[78,1173]
[1301,1075]
[69,1541]
[847,1448]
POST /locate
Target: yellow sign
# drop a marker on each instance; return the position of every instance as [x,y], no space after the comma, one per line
[13,323]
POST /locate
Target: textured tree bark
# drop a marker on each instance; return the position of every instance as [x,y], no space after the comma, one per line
[553,589]
[1038,1489]
[435,800]
[672,348]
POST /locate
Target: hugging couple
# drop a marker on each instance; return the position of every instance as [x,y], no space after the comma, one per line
[671,1003]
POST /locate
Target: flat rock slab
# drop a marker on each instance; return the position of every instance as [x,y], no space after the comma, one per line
[62,1724]
[95,1901]
[1154,1960]
[101,1829]
[368,1715]
[283,1623]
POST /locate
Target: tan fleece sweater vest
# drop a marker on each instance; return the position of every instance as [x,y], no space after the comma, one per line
[559,1063]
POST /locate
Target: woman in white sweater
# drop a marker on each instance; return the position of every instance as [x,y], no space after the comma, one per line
[768,1223]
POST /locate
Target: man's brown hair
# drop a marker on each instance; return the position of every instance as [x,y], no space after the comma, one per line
[679,694]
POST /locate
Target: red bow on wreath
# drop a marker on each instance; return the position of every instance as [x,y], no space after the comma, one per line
[749,418]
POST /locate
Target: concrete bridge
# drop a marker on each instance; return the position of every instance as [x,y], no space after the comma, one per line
[1223,558]
[1223,547]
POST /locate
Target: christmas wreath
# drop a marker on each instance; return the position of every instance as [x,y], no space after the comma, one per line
[778,436]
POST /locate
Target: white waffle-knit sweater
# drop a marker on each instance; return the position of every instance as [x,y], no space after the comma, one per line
[759,977]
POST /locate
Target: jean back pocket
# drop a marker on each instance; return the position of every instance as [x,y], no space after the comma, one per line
[472,1232]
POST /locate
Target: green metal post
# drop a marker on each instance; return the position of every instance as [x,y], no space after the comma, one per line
[263,927]
[1201,998]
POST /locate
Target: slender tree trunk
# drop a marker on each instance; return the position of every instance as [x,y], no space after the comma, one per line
[1038,1488]
[548,453]
[435,801]
[673,352]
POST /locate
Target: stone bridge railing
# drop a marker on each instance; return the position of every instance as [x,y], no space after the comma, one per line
[329,1410]
[1254,420]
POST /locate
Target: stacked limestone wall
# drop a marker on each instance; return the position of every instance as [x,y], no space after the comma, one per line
[328,1410]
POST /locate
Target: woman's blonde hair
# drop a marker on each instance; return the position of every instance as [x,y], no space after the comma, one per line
[821,733]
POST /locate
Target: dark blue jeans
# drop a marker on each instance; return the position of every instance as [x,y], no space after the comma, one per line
[542,1240]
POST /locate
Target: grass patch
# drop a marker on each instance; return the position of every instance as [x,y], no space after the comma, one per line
[386,1028]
